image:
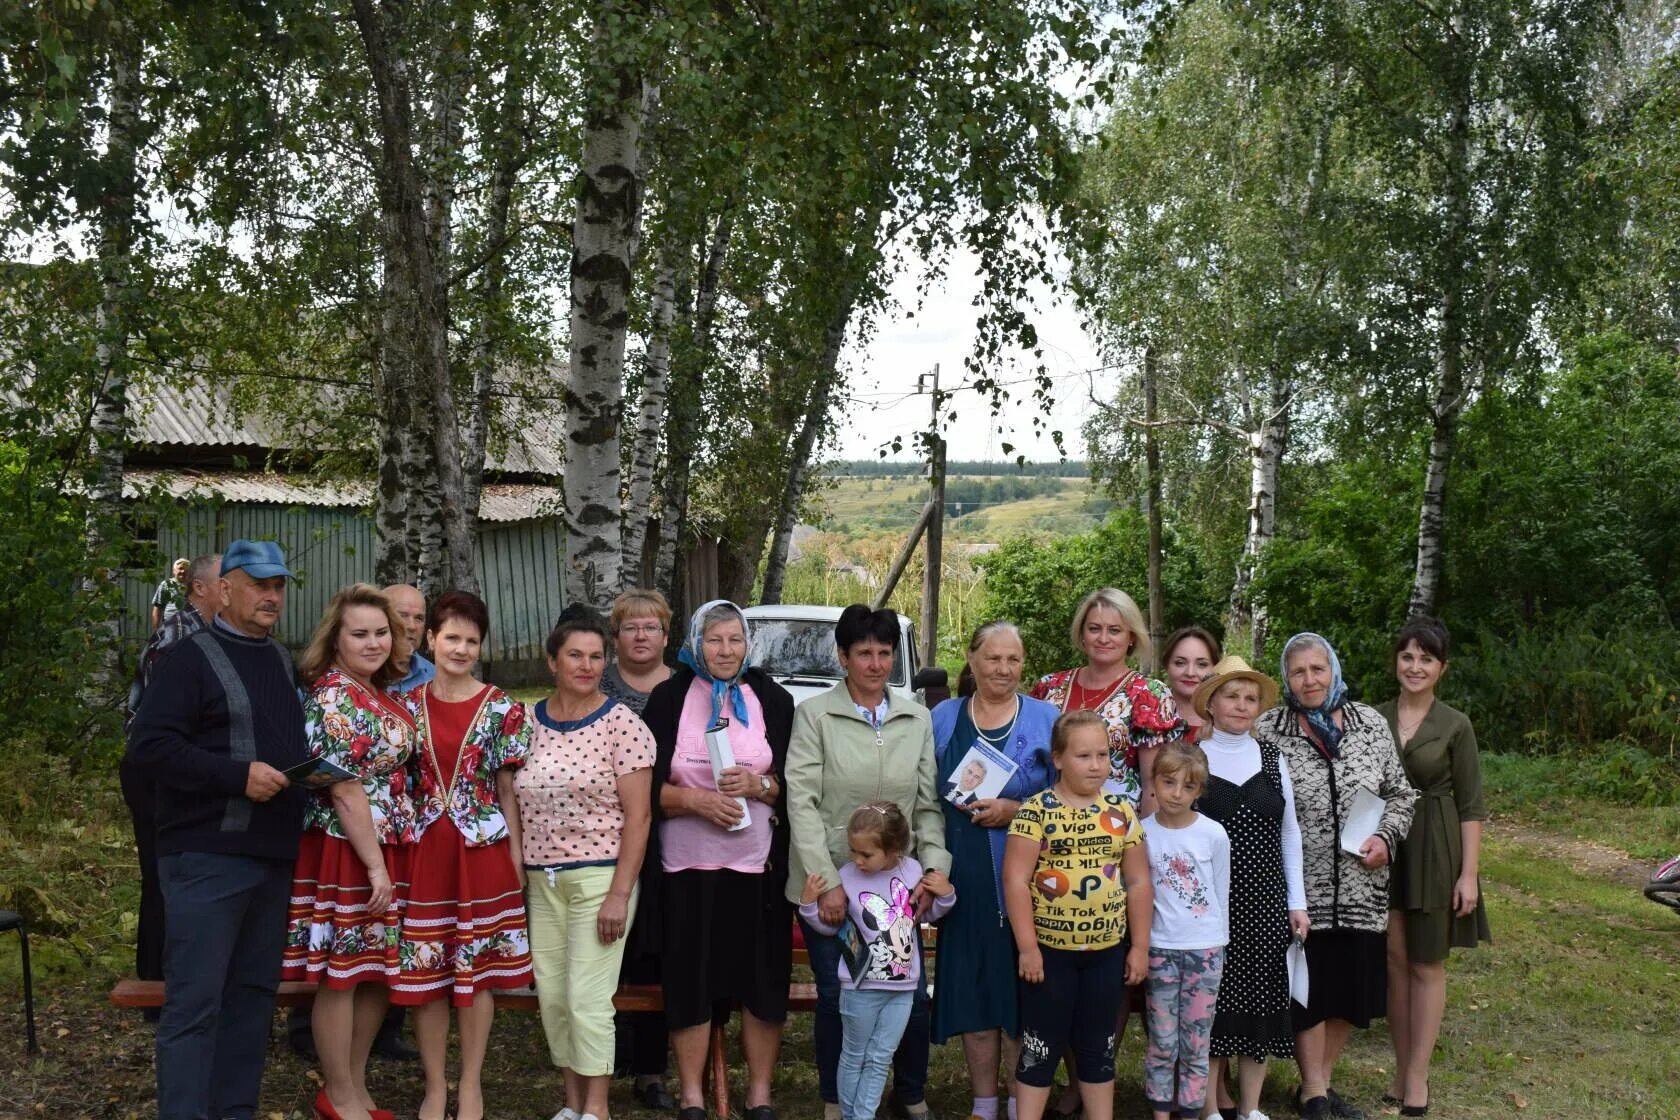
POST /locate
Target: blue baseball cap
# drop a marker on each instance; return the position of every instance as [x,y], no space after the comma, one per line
[260,559]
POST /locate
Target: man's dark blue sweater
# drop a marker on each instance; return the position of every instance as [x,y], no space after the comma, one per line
[217,702]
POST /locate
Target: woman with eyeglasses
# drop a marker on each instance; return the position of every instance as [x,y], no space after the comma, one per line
[639,623]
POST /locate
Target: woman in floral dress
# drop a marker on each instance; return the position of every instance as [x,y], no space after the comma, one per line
[463,931]
[352,867]
[1109,629]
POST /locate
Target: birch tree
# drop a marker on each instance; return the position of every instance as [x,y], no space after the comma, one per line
[604,234]
[1470,114]
[1224,252]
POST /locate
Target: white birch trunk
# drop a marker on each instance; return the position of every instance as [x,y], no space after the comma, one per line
[1266,446]
[604,233]
[649,418]
[1449,360]
[108,422]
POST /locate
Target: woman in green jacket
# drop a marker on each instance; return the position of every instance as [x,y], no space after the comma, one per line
[857,743]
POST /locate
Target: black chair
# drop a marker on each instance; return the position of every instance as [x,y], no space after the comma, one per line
[10,919]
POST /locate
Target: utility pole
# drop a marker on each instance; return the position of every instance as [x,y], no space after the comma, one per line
[935,527]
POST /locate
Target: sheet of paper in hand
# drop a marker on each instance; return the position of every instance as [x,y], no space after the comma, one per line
[1362,820]
[1295,959]
[723,757]
[317,773]
[981,775]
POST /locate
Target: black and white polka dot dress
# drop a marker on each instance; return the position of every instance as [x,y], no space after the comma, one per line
[1252,1015]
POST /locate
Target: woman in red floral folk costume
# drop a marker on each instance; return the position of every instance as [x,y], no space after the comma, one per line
[352,867]
[1141,716]
[463,932]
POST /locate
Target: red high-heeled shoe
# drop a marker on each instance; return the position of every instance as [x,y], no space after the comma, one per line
[324,1109]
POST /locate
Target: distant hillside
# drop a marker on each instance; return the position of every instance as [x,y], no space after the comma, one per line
[889,468]
[988,507]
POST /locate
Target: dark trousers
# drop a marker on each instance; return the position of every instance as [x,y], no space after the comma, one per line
[910,1060]
[140,795]
[1075,1007]
[222,967]
[643,1038]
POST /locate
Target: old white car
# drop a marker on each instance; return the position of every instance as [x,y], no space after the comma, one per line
[795,645]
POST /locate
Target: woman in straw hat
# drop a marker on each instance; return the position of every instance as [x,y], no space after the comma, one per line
[1249,793]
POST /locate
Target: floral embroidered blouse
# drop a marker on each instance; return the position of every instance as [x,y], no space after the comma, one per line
[372,735]
[1140,714]
[498,736]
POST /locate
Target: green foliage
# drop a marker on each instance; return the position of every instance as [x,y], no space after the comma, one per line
[46,656]
[1564,535]
[1343,566]
[1035,583]
[1567,499]
[1616,772]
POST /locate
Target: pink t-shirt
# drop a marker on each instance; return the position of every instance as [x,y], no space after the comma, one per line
[569,812]
[690,843]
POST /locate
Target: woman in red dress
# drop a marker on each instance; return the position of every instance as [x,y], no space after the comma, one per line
[352,866]
[463,931]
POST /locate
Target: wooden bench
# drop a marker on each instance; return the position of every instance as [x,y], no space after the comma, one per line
[629,997]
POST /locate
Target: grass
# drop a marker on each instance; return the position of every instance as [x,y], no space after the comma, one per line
[1570,1013]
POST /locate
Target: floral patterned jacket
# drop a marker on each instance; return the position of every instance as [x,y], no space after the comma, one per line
[499,736]
[369,734]
[1140,714]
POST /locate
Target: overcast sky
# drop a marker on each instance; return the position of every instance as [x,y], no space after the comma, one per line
[882,387]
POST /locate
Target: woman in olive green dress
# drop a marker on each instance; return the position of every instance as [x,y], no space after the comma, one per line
[1435,898]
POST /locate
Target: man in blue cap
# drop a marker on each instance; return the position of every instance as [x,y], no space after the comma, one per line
[216,730]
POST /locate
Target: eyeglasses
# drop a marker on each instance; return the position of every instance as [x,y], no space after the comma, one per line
[636,631]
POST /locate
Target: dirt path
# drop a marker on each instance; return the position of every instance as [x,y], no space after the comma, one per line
[1599,859]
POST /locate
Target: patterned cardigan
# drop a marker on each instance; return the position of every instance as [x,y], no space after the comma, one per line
[1341,892]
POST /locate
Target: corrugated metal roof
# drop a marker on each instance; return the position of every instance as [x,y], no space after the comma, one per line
[189,413]
[502,502]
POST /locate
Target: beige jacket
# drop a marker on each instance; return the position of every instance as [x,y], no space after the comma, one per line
[836,762]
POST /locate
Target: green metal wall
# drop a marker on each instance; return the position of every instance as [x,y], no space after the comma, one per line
[519,567]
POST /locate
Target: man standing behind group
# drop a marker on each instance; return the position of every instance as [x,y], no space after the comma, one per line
[214,732]
[203,597]
[416,670]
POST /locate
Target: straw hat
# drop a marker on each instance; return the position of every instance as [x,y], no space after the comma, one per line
[1230,668]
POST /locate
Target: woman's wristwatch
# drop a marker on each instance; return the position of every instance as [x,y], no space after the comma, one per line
[765,785]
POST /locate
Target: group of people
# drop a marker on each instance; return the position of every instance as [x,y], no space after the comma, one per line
[412,836]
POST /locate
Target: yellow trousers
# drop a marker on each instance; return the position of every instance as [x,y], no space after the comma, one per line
[576,974]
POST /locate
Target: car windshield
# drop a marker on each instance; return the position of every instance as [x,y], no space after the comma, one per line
[800,647]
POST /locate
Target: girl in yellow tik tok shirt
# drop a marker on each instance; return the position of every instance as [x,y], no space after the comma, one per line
[1075,879]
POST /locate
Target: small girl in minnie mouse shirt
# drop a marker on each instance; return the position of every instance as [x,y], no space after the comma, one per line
[879,881]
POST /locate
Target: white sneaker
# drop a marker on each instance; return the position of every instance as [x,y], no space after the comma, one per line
[1255,1115]
[565,1114]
